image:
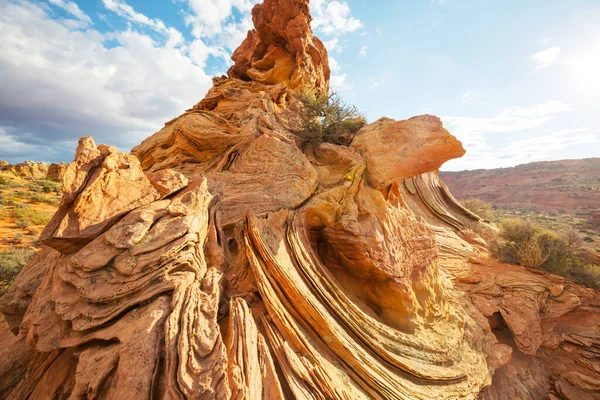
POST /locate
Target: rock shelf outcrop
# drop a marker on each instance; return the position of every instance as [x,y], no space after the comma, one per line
[222,259]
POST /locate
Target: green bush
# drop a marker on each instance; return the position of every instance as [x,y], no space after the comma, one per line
[326,118]
[47,189]
[479,207]
[524,243]
[25,217]
[11,263]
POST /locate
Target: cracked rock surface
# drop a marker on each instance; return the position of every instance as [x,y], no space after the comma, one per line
[222,259]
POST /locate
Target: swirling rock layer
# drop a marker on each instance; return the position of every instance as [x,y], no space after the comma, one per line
[223,259]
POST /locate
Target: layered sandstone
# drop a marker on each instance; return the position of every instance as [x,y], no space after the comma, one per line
[224,259]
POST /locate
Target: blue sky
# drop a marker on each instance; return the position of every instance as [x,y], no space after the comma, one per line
[516,81]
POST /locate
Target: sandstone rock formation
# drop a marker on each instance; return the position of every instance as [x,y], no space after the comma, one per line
[36,170]
[28,169]
[56,171]
[282,48]
[222,259]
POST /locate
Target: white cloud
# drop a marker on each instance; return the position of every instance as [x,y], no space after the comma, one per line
[333,17]
[338,82]
[73,9]
[126,11]
[475,133]
[543,147]
[208,17]
[545,58]
[121,8]
[363,51]
[333,65]
[59,84]
[333,45]
[509,120]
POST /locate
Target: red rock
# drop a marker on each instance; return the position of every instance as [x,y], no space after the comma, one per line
[56,172]
[167,181]
[221,260]
[282,48]
[395,150]
[100,186]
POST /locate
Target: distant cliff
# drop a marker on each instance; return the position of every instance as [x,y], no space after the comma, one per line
[551,186]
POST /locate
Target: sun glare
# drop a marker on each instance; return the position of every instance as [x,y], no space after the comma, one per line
[585,71]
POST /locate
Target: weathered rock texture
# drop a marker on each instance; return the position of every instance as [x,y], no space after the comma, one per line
[222,260]
[27,169]
[282,48]
[36,170]
[56,172]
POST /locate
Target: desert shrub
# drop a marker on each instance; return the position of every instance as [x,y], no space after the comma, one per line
[531,254]
[515,236]
[480,207]
[2,181]
[11,263]
[524,243]
[326,118]
[47,189]
[26,217]
[588,275]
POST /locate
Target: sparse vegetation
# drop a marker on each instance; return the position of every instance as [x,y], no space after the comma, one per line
[25,206]
[25,217]
[12,261]
[525,243]
[327,118]
[479,207]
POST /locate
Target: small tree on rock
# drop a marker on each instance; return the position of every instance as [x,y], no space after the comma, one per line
[326,118]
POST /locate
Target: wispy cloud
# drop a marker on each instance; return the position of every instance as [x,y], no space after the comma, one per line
[363,51]
[542,147]
[475,133]
[545,58]
[72,8]
[121,8]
